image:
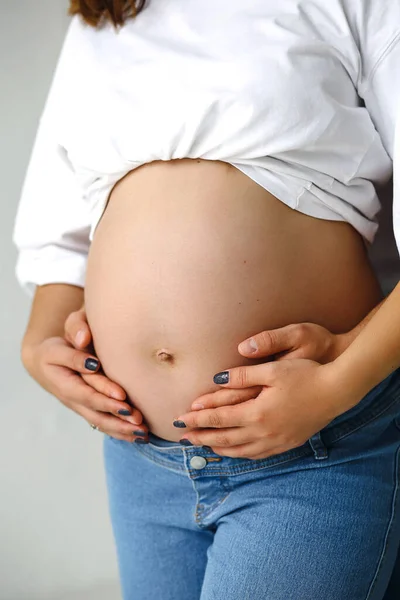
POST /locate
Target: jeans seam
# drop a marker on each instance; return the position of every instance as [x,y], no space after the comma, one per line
[330,438]
[383,555]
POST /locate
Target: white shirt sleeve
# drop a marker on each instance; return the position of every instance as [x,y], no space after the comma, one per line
[52,224]
[381,93]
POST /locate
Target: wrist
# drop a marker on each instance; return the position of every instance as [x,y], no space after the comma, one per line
[341,342]
[343,386]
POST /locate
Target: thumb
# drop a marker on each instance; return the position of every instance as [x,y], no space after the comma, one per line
[76,329]
[269,342]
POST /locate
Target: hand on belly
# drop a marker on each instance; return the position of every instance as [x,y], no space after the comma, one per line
[263,425]
[183,268]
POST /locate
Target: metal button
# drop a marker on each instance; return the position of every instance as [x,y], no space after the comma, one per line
[198,462]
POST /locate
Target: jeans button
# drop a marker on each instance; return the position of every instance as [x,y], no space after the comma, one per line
[198,462]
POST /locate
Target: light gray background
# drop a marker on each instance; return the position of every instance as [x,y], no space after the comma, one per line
[55,537]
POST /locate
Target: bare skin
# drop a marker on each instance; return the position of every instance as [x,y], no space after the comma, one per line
[190,258]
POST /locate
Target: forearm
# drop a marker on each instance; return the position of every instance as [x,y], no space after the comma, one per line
[374,352]
[345,339]
[51,306]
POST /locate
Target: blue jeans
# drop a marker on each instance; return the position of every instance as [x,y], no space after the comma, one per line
[317,522]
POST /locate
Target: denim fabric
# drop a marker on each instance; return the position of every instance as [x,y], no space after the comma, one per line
[317,522]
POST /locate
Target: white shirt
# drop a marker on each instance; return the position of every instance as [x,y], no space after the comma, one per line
[274,88]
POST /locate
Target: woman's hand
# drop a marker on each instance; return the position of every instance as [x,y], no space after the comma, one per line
[298,398]
[77,332]
[60,369]
[295,341]
[298,340]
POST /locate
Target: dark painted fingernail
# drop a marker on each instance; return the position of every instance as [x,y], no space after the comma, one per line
[179,424]
[186,442]
[140,432]
[139,441]
[91,364]
[125,412]
[222,377]
[207,448]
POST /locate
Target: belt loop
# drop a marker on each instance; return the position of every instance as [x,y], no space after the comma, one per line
[318,446]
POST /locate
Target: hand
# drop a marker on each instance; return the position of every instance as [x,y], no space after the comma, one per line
[298,340]
[298,398]
[77,332]
[60,369]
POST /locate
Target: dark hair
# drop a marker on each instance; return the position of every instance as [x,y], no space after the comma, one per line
[95,12]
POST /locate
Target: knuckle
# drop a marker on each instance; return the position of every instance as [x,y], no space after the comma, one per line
[193,421]
[267,339]
[258,418]
[77,360]
[126,429]
[222,439]
[90,398]
[300,331]
[242,376]
[215,418]
[100,422]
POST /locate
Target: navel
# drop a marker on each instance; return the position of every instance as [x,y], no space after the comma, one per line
[164,356]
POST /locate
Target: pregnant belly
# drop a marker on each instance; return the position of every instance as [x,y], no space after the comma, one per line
[190,258]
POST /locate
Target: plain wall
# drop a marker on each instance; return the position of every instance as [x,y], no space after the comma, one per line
[55,537]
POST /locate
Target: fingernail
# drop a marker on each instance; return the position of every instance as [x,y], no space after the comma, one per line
[249,346]
[80,337]
[91,364]
[125,412]
[186,442]
[222,377]
[179,424]
[197,406]
[140,432]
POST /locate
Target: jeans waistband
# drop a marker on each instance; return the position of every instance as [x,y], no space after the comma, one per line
[201,460]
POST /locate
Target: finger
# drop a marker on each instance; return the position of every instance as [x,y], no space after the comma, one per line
[77,360]
[104,385]
[220,438]
[76,329]
[111,425]
[251,450]
[248,375]
[76,391]
[225,397]
[237,415]
[271,341]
